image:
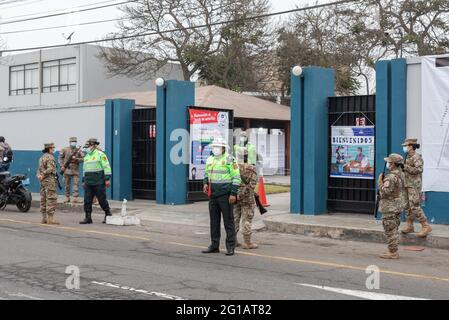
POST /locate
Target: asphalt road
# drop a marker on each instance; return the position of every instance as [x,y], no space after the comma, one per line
[164,261]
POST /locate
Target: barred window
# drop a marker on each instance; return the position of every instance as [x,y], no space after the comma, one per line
[24,79]
[59,75]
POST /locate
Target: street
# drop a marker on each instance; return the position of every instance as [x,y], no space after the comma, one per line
[164,261]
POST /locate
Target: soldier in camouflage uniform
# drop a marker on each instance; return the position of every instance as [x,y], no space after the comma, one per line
[46,174]
[244,209]
[72,172]
[413,169]
[392,203]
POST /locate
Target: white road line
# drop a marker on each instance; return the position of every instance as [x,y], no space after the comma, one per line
[141,291]
[361,294]
[21,295]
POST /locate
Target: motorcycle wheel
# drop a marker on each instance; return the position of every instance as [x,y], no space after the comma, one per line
[24,204]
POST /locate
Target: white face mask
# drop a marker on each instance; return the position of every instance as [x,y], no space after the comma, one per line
[388,166]
[217,151]
[242,139]
[405,149]
[73,144]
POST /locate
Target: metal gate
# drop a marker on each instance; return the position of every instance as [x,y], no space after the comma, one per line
[144,153]
[350,195]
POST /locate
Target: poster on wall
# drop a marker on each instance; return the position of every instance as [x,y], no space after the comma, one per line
[435,123]
[352,152]
[205,126]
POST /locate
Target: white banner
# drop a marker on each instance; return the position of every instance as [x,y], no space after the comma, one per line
[435,123]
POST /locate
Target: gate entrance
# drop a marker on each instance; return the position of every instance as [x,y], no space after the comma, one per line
[347,194]
[144,153]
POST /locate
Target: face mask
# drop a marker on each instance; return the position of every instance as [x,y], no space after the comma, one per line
[243,140]
[217,151]
[86,150]
[405,149]
[73,144]
[388,166]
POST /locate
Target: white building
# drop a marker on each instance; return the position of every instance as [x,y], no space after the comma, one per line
[65,76]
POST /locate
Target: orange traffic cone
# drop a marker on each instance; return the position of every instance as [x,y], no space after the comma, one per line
[261,192]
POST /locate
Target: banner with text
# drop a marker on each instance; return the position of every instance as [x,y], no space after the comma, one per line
[205,126]
[352,152]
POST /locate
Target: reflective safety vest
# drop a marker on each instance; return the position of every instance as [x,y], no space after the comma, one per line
[96,168]
[223,175]
[252,154]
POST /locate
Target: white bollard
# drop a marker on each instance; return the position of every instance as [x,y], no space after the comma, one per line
[123,219]
[124,213]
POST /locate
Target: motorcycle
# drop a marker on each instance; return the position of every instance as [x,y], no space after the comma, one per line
[13,190]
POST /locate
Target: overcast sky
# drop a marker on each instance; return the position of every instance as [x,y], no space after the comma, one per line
[22,9]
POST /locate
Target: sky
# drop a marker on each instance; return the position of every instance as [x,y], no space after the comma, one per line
[23,9]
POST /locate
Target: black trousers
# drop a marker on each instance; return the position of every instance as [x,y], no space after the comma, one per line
[96,191]
[218,207]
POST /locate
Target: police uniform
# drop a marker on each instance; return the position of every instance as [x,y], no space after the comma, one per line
[247,148]
[96,171]
[223,180]
[46,174]
[413,169]
[74,157]
[392,203]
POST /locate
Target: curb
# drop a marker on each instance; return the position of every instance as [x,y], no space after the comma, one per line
[75,207]
[352,234]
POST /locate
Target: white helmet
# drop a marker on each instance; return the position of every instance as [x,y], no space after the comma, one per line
[219,142]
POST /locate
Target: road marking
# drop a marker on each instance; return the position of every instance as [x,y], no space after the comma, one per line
[361,294]
[280,258]
[140,291]
[21,295]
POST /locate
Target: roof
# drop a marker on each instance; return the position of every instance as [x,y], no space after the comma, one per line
[244,106]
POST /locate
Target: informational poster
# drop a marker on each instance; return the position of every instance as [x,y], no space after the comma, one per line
[435,123]
[353,152]
[205,127]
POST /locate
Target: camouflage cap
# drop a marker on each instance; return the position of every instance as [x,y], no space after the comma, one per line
[92,141]
[410,141]
[49,145]
[73,139]
[395,158]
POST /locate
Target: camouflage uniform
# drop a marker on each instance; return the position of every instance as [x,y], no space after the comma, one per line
[72,172]
[244,209]
[392,203]
[49,197]
[413,169]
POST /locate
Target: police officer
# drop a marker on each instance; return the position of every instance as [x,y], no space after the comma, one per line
[413,170]
[96,178]
[243,144]
[46,174]
[392,203]
[73,156]
[246,203]
[221,183]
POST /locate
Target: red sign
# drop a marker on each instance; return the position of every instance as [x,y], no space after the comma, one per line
[203,116]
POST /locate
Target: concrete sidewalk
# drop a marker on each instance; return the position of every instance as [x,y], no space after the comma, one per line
[354,227]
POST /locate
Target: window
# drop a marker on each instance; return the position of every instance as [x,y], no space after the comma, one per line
[59,75]
[24,79]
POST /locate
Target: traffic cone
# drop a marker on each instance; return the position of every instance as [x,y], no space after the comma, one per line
[261,192]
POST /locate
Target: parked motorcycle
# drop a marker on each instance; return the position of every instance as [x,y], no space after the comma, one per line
[13,190]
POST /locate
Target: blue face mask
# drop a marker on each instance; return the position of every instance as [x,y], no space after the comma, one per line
[73,144]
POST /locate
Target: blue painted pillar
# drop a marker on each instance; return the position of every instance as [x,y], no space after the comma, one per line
[309,140]
[391,109]
[119,146]
[173,99]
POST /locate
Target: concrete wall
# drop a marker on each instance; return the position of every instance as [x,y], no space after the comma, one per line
[92,79]
[27,130]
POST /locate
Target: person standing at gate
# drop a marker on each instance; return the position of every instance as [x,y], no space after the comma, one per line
[96,178]
[221,184]
[414,166]
[246,203]
[69,160]
[46,174]
[392,202]
[244,144]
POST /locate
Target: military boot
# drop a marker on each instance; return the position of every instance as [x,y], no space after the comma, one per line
[75,200]
[44,219]
[426,229]
[67,199]
[51,220]
[87,219]
[107,214]
[249,246]
[389,255]
[409,228]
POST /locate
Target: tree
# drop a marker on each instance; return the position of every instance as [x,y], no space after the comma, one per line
[142,56]
[243,59]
